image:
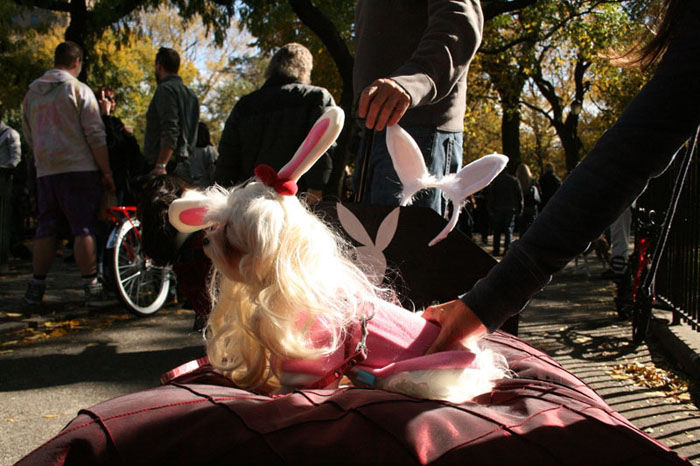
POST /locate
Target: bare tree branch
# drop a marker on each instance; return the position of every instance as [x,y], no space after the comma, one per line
[539,110]
[324,28]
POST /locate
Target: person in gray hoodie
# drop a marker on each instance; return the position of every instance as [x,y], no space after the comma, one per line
[411,63]
[62,124]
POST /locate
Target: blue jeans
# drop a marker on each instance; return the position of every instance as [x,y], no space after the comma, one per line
[442,152]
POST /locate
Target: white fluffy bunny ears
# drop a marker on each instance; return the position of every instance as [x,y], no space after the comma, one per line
[189,213]
[410,167]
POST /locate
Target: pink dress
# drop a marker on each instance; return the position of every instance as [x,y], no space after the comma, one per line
[397,342]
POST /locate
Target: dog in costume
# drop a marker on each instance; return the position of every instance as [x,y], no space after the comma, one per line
[292,310]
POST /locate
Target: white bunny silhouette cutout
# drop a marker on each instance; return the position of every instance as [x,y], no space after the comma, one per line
[370,255]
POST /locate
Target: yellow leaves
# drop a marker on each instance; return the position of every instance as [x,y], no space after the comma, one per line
[70,323]
[50,416]
[651,376]
[56,329]
[59,332]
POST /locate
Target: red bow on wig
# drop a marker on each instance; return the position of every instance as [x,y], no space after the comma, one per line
[283,186]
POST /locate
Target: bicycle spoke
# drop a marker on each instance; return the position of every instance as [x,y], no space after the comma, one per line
[131,277]
[140,285]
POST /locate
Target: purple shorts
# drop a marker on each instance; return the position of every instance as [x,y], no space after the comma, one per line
[74,196]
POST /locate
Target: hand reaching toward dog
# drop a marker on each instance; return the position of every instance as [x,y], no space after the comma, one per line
[457,322]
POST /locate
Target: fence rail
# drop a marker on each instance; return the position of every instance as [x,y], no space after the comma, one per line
[678,277]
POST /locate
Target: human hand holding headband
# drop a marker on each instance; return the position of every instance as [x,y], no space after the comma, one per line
[410,167]
[190,213]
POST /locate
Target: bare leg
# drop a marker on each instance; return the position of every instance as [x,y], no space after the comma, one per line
[84,251]
[44,251]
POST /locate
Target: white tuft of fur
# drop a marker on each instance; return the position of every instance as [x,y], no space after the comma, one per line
[453,385]
[412,186]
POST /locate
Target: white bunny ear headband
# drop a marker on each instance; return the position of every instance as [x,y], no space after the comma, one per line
[189,213]
[410,167]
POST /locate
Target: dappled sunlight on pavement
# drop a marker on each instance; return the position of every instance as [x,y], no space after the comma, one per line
[575,321]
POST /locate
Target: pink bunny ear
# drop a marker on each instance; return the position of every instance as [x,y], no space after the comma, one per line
[320,137]
[187,214]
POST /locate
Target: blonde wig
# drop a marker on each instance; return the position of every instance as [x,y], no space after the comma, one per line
[287,288]
[293,272]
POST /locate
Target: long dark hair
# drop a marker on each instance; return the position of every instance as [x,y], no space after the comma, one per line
[646,54]
[203,136]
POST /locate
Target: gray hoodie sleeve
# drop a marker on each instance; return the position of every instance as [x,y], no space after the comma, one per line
[445,50]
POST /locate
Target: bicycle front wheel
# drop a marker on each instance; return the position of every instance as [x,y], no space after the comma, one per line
[139,284]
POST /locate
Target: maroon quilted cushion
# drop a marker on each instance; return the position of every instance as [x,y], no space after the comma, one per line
[544,415]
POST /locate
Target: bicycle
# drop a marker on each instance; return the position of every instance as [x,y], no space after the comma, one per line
[636,292]
[138,283]
[631,300]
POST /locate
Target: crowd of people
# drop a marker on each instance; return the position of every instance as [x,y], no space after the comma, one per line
[85,157]
[287,300]
[418,80]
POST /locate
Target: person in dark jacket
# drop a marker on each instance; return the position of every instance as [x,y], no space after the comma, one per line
[203,161]
[268,125]
[411,64]
[171,119]
[505,202]
[125,157]
[549,183]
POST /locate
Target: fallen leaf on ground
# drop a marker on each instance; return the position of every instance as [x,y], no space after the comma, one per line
[650,376]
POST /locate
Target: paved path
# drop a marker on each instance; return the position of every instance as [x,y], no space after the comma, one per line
[42,385]
[574,320]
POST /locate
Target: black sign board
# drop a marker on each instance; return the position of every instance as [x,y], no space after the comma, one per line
[392,243]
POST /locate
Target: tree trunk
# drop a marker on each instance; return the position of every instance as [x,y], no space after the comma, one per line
[315,20]
[571,142]
[510,134]
[77,31]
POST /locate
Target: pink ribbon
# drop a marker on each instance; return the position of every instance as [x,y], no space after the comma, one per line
[283,186]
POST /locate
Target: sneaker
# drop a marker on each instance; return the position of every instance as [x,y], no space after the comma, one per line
[35,292]
[93,292]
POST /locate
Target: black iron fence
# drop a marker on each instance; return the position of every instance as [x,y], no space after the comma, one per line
[678,277]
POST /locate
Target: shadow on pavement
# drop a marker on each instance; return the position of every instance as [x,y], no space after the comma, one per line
[96,363]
